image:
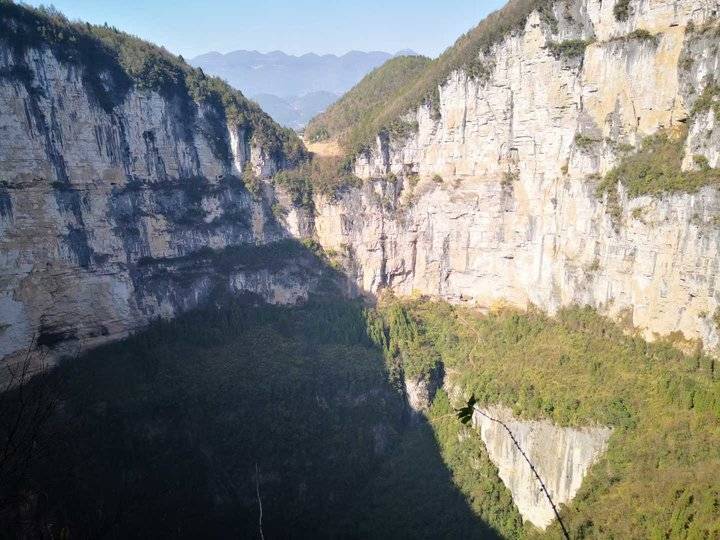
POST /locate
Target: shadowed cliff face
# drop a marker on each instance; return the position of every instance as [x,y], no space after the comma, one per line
[110,216]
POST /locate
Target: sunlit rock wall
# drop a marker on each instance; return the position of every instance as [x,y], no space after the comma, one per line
[505,207]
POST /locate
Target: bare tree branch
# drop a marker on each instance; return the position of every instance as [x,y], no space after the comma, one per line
[259,500]
[25,408]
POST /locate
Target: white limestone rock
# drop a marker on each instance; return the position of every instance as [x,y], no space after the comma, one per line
[541,235]
[561,457]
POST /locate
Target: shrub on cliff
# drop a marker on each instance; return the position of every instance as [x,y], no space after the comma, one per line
[656,168]
[572,48]
[251,180]
[708,100]
[622,10]
[323,175]
[298,185]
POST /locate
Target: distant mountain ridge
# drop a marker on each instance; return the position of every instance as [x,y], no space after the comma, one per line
[281,82]
[296,111]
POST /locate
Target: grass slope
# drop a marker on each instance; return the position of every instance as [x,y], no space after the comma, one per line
[357,110]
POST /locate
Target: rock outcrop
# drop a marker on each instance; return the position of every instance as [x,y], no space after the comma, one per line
[493,198]
[420,390]
[561,456]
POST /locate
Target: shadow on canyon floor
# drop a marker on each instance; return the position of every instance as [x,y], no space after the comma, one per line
[185,429]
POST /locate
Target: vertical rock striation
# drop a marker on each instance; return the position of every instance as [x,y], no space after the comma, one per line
[116,202]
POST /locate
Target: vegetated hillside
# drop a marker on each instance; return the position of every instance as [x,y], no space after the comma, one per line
[361,106]
[292,89]
[185,429]
[466,53]
[660,476]
[114,61]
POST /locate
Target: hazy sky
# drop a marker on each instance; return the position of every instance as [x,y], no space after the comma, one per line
[193,27]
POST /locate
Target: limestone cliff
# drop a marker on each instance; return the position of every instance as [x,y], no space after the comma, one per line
[493,197]
[114,214]
[561,456]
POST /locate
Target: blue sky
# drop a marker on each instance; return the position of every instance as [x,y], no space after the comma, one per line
[192,27]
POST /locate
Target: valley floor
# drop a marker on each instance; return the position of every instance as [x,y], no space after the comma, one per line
[185,429]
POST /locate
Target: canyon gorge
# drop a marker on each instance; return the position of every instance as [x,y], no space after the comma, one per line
[125,201]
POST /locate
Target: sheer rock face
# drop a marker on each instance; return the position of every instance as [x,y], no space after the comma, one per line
[420,390]
[419,395]
[101,212]
[512,215]
[561,456]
